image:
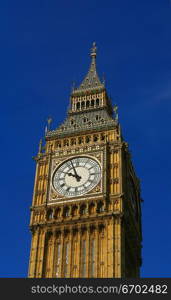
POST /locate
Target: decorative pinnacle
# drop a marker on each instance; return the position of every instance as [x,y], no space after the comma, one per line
[40,146]
[115,109]
[49,121]
[94,50]
[47,128]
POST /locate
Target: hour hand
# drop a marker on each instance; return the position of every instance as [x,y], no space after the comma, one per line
[76,176]
[70,174]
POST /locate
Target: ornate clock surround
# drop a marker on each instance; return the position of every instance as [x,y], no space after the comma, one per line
[98,190]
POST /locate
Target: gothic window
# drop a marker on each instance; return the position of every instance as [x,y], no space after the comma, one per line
[57,213]
[97,102]
[78,105]
[97,117]
[58,252]
[85,119]
[72,121]
[66,258]
[95,138]
[58,144]
[74,211]
[74,258]
[87,139]
[47,255]
[92,103]
[66,212]
[92,253]
[88,104]
[92,208]
[80,140]
[66,143]
[83,270]
[101,252]
[73,142]
[50,214]
[82,104]
[102,137]
[100,207]
[83,210]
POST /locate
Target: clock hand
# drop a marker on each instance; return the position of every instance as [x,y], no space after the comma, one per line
[76,175]
[70,174]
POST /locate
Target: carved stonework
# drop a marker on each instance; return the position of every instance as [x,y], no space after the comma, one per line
[87,224]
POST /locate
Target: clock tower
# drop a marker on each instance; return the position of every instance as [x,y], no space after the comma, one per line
[86,209]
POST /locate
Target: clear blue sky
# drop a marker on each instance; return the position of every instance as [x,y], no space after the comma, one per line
[44,47]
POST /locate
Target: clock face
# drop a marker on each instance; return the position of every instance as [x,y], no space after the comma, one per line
[76,176]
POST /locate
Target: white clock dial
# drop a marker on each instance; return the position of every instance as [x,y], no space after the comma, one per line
[76,176]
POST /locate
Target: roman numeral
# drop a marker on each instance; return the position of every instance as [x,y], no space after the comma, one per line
[91,167]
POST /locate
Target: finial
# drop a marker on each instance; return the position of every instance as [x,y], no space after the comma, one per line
[49,120]
[47,128]
[115,109]
[103,79]
[94,50]
[40,147]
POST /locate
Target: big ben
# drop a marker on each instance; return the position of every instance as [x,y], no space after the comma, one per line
[86,207]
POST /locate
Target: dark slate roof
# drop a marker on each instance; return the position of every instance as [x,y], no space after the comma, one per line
[91,81]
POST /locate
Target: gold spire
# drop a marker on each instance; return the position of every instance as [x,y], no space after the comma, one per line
[91,81]
[93,50]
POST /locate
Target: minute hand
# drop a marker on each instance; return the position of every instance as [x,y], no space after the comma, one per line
[76,175]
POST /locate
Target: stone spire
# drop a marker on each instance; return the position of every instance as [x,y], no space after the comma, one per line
[91,81]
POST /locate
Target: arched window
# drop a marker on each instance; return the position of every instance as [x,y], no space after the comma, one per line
[100,206]
[58,253]
[85,119]
[66,212]
[82,104]
[92,208]
[78,105]
[66,143]
[92,257]
[58,144]
[83,260]
[57,213]
[102,137]
[80,140]
[66,259]
[97,102]
[74,210]
[73,142]
[92,103]
[87,139]
[95,138]
[88,104]
[83,209]
[50,214]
